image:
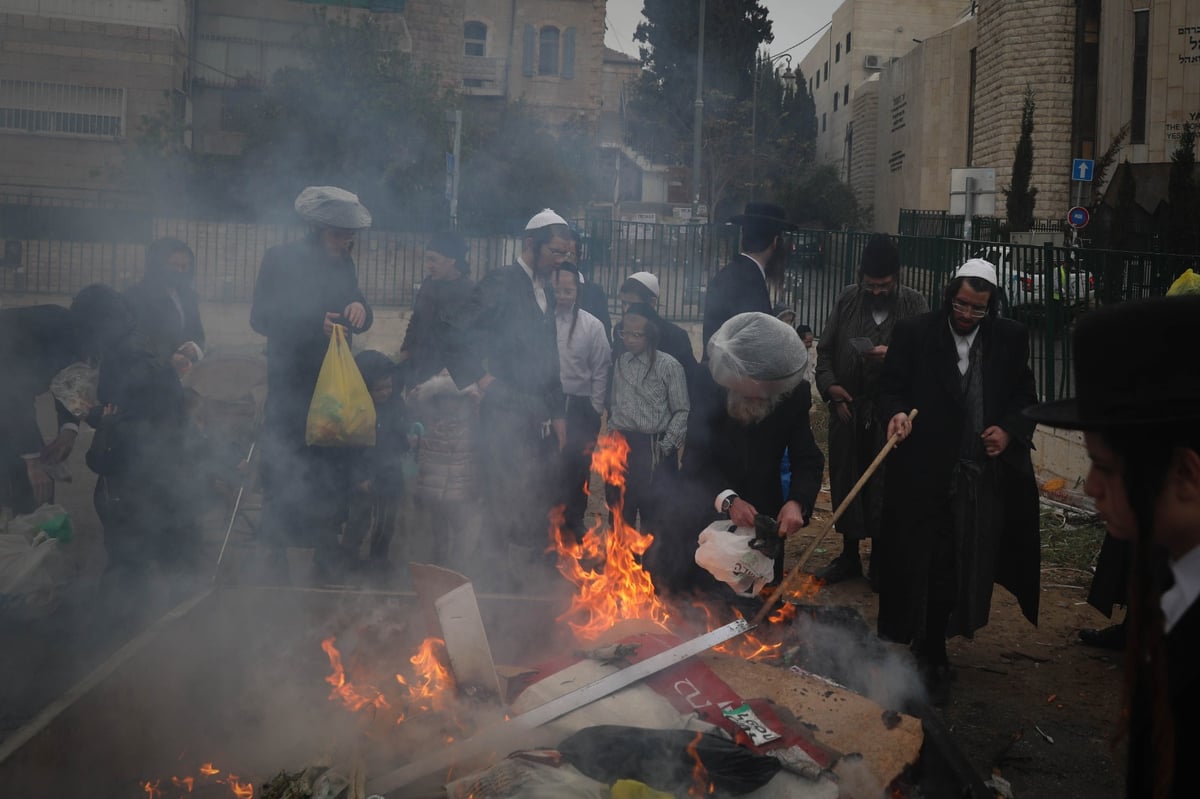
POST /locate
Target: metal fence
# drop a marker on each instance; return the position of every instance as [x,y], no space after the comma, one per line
[1046,287]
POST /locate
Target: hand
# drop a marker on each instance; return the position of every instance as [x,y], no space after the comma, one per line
[899,425]
[356,315]
[995,441]
[842,402]
[181,363]
[876,353]
[329,323]
[110,410]
[189,350]
[560,432]
[39,481]
[791,518]
[742,513]
[60,448]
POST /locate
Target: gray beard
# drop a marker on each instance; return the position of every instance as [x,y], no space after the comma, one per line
[746,411]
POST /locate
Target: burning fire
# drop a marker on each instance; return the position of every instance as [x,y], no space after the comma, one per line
[621,589]
[433,686]
[208,777]
[353,698]
[701,784]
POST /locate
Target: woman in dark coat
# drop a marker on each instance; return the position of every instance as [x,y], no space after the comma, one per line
[960,499]
[165,304]
[303,289]
[137,453]
[444,293]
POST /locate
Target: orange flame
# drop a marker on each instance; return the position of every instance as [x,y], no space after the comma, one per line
[353,698]
[209,770]
[434,684]
[242,790]
[186,783]
[622,589]
[701,785]
[151,789]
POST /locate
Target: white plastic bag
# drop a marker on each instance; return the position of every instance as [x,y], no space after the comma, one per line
[725,553]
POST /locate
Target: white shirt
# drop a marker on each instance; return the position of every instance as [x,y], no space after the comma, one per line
[762,270]
[963,343]
[1178,598]
[879,316]
[539,290]
[583,361]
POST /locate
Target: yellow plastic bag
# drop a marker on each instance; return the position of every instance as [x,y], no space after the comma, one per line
[341,413]
[1187,283]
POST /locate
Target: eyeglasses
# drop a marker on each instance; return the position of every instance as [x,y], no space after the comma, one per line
[973,311]
[878,288]
[564,254]
[632,334]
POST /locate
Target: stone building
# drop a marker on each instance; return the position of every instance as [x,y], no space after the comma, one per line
[76,78]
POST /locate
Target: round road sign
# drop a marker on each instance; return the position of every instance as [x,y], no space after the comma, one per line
[1078,217]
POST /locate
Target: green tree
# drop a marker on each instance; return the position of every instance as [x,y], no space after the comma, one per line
[1020,197]
[817,196]
[1183,196]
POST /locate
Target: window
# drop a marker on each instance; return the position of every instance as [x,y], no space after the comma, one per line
[836,96]
[475,36]
[1141,53]
[837,53]
[822,123]
[30,106]
[810,86]
[548,51]
[846,94]
[826,70]
[847,42]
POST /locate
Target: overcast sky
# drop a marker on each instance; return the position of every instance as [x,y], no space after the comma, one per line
[792,21]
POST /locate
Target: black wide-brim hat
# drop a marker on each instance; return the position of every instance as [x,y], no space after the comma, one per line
[1134,365]
[763,216]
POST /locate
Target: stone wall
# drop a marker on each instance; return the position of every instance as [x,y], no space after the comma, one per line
[1026,42]
[863,154]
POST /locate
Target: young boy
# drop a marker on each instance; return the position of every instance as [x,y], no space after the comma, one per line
[377,479]
[650,409]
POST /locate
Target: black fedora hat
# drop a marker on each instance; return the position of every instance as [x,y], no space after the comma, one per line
[1133,366]
[763,216]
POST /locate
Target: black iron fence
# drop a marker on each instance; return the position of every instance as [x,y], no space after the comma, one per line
[1047,287]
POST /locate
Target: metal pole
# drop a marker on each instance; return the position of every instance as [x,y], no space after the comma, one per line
[698,119]
[457,170]
[754,131]
[968,208]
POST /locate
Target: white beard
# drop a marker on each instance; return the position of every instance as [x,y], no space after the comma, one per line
[748,411]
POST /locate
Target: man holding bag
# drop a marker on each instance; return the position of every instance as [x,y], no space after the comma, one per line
[304,288]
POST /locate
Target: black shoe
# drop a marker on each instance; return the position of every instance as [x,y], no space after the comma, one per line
[1109,638]
[844,567]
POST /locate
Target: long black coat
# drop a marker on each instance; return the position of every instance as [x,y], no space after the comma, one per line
[921,372]
[36,343]
[503,332]
[305,488]
[427,339]
[738,288]
[164,324]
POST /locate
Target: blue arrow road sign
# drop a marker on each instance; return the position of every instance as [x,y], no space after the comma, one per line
[1081,169]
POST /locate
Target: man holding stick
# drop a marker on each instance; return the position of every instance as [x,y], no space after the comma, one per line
[960,500]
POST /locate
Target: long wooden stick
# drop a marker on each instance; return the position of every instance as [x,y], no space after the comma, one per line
[786,585]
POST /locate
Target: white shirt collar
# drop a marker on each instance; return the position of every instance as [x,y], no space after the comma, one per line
[526,269]
[539,289]
[762,270]
[963,345]
[1178,598]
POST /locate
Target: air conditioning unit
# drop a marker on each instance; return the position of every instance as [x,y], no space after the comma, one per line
[873,62]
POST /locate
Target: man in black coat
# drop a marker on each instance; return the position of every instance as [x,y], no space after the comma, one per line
[444,294]
[505,344]
[960,499]
[591,297]
[36,343]
[304,288]
[1141,426]
[748,406]
[744,285]
[166,305]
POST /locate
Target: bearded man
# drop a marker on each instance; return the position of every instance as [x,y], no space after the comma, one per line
[743,286]
[748,406]
[853,346]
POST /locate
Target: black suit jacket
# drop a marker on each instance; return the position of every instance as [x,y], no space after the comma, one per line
[160,320]
[738,288]
[502,332]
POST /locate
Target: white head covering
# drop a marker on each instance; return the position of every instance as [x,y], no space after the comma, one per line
[759,347]
[544,218]
[646,279]
[977,267]
[332,207]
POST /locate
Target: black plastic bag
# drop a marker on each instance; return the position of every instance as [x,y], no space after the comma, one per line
[666,759]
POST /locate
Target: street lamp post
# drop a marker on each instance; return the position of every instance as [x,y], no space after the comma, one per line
[789,78]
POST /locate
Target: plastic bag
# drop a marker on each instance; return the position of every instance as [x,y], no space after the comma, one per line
[75,388]
[33,566]
[341,413]
[725,553]
[1187,283]
[53,520]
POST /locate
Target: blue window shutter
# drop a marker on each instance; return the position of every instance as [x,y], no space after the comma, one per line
[568,53]
[527,60]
